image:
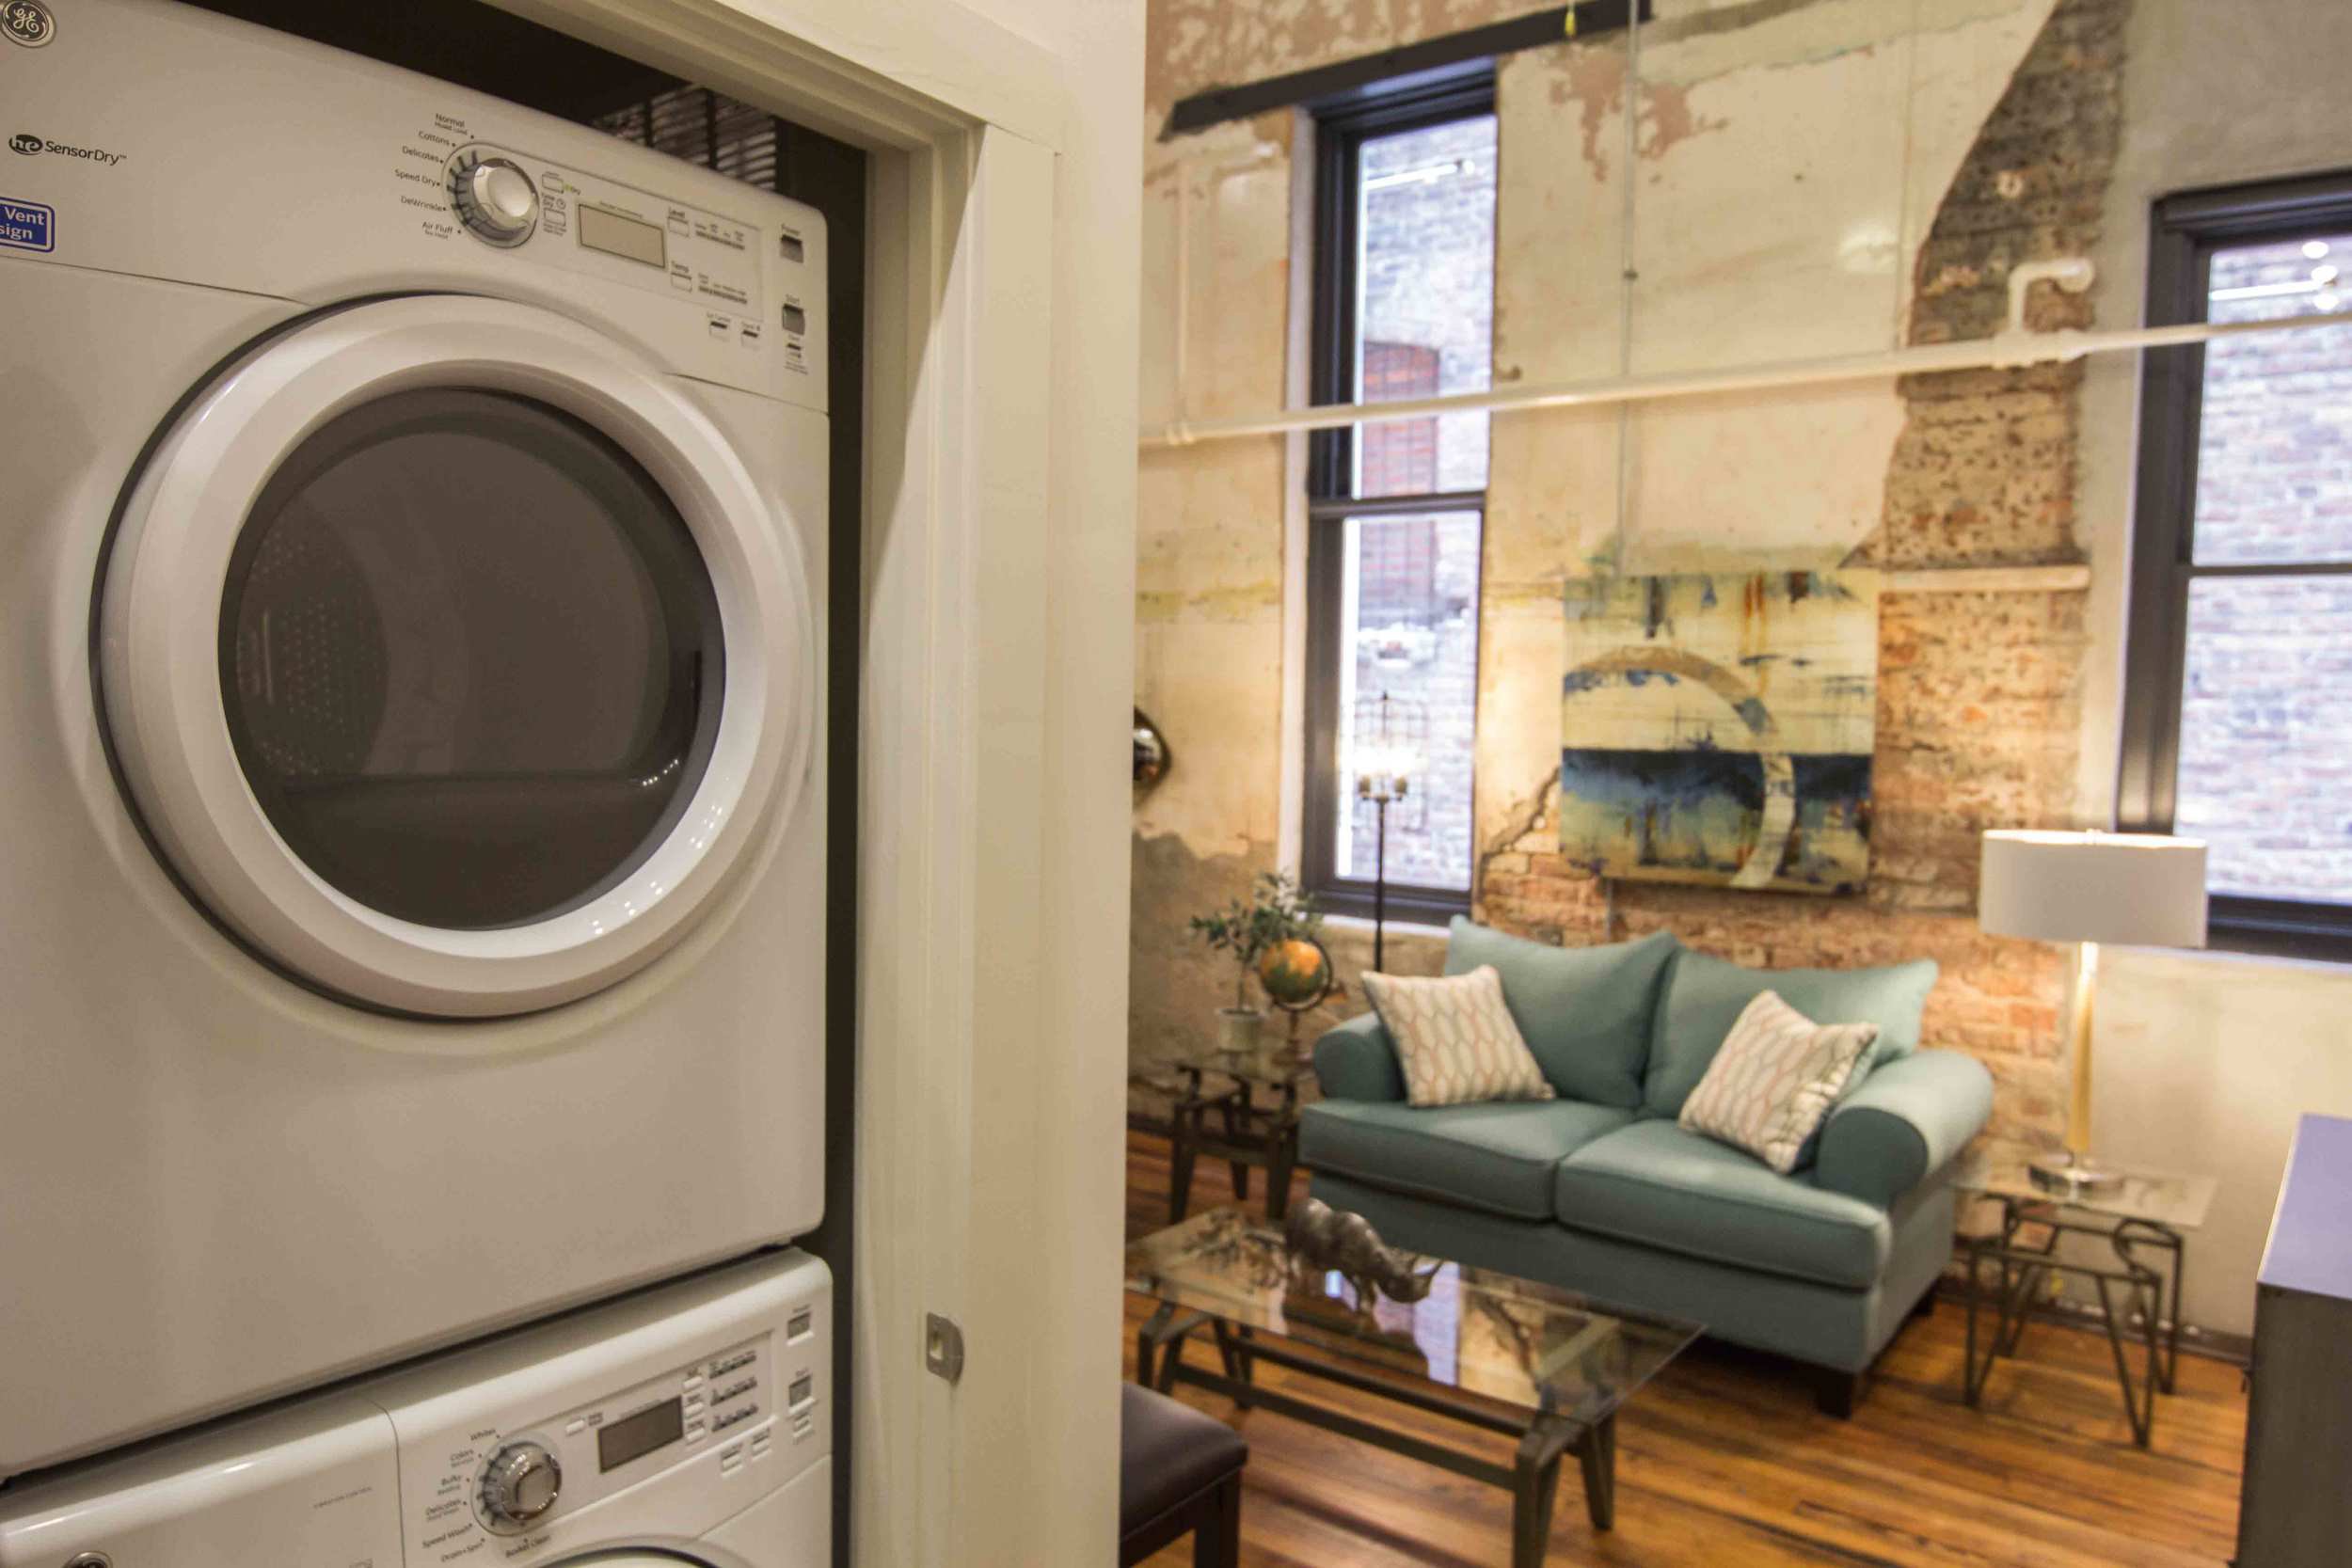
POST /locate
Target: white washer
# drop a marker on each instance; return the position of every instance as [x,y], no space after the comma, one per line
[689,1427]
[411,620]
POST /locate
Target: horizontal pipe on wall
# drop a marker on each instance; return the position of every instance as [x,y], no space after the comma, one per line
[1991,579]
[2003,351]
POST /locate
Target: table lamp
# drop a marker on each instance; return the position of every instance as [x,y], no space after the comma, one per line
[2142,890]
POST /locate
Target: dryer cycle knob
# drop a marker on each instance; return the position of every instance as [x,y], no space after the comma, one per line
[520,1485]
[496,199]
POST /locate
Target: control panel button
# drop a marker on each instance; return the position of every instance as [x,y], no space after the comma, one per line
[795,318]
[519,1487]
[494,198]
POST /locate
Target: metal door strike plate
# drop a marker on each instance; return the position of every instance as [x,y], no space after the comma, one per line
[943,1347]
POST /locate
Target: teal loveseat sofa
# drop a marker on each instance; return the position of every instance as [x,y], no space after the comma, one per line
[1600,1191]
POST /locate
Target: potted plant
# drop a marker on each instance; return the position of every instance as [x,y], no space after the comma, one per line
[1277,913]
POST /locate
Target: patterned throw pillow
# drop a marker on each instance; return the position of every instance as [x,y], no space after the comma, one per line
[1456,1039]
[1777,1076]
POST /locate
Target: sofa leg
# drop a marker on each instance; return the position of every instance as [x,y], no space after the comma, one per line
[1836,1393]
[1925,1305]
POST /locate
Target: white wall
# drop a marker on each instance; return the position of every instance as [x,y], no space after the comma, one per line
[2204,1061]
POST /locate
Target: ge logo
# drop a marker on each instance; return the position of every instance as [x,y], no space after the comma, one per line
[28,22]
[24,143]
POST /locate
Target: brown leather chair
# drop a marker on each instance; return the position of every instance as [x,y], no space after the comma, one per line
[1179,1472]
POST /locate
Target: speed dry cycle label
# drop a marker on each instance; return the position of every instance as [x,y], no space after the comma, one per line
[27,225]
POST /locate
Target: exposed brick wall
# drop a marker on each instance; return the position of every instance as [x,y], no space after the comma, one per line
[1978,693]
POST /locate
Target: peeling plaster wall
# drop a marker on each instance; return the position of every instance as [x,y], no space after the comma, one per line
[2205,1060]
[1808,177]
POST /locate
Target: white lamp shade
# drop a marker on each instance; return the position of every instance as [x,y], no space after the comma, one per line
[2143,890]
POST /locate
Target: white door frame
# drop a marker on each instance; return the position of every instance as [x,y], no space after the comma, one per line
[999,667]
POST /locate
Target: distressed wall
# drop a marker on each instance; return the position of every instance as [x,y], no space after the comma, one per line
[2205,1060]
[1837,176]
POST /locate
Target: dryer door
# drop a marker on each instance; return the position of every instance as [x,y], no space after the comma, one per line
[451,657]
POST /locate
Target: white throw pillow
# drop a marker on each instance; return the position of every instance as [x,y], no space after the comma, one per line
[1777,1076]
[1456,1039]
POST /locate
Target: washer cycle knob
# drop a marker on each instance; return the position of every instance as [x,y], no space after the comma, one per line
[520,1485]
[495,198]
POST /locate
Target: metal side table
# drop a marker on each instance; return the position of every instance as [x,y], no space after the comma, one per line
[1248,1130]
[2141,1218]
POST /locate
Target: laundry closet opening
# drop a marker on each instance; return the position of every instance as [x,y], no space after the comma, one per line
[476,46]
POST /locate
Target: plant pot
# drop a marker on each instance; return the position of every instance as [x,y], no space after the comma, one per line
[1237,1029]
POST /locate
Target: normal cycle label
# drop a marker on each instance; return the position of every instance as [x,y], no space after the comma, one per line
[27,225]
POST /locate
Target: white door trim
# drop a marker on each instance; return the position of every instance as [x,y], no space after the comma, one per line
[998,668]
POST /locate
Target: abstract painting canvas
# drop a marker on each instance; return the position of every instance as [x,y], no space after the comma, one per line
[1718,728]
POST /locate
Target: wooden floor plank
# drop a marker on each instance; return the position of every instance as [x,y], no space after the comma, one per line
[1722,1460]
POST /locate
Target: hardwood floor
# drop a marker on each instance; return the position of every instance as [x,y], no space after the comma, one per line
[1723,1461]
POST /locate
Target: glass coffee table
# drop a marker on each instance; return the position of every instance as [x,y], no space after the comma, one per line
[1531,1361]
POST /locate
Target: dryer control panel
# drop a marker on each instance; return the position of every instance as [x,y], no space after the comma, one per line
[375,181]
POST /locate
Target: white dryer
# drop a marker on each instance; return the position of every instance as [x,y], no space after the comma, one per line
[688,1427]
[410,623]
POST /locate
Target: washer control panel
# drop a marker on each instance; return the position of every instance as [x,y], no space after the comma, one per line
[662,1416]
[510,1458]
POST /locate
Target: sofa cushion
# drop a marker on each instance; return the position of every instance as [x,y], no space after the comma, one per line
[1655,1183]
[1499,1157]
[1456,1038]
[1703,997]
[1584,1011]
[1774,1080]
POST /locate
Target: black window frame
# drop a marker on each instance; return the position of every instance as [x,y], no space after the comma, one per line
[1342,125]
[2187,229]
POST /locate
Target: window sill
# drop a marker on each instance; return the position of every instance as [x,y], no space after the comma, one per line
[1394,926]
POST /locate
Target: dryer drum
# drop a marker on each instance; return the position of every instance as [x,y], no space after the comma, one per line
[471,657]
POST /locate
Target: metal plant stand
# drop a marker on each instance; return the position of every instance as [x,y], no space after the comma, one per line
[2140,1220]
[1248,1132]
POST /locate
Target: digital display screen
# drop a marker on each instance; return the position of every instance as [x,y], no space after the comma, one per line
[634,1436]
[618,234]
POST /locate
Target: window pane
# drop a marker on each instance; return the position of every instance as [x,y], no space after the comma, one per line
[2265,734]
[1424,319]
[2274,456]
[1409,631]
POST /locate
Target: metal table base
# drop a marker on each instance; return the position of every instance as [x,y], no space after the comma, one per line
[2024,1266]
[1532,1477]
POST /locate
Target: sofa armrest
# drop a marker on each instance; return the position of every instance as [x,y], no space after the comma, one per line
[1357,1061]
[1905,1123]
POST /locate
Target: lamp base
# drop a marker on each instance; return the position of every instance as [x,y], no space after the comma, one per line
[2067,1175]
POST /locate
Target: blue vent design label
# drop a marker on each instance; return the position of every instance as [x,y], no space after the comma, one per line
[27,225]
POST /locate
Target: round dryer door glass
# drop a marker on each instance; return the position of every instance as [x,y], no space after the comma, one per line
[471,657]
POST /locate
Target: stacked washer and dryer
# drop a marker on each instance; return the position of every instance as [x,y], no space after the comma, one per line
[411,580]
